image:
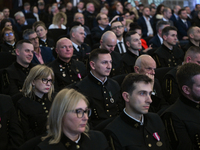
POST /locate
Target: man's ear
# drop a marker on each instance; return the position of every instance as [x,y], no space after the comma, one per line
[17,51]
[136,69]
[126,96]
[92,65]
[164,37]
[186,89]
[128,43]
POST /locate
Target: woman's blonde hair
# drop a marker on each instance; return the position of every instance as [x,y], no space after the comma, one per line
[65,100]
[37,72]
[58,17]
[133,9]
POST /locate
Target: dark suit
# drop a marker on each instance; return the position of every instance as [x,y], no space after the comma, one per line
[47,56]
[155,42]
[141,22]
[96,33]
[117,48]
[20,28]
[11,135]
[182,28]
[124,133]
[182,124]
[173,18]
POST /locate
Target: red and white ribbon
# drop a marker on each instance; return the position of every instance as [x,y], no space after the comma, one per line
[156,136]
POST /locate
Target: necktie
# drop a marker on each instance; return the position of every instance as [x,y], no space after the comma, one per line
[120,45]
[81,52]
[186,24]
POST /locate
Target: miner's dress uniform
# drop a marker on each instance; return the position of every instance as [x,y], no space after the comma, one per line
[165,57]
[94,141]
[105,99]
[33,115]
[182,124]
[13,78]
[11,136]
[67,73]
[5,47]
[124,133]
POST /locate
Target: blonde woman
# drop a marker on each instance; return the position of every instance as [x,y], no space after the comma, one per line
[59,21]
[34,106]
[68,125]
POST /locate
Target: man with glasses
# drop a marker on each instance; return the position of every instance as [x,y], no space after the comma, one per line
[118,28]
[103,26]
[14,76]
[146,65]
[67,70]
[80,18]
[42,55]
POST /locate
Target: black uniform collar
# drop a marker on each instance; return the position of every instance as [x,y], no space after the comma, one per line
[40,100]
[69,144]
[133,123]
[189,102]
[167,49]
[91,77]
[17,65]
[132,54]
[64,63]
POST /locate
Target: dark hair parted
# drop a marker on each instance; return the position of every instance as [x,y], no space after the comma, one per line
[128,82]
[95,53]
[180,11]
[166,30]
[185,74]
[128,35]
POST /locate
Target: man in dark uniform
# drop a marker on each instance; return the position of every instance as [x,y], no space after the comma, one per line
[66,69]
[170,87]
[168,55]
[13,77]
[11,135]
[194,38]
[135,128]
[108,41]
[103,93]
[146,65]
[182,118]
[133,43]
[81,49]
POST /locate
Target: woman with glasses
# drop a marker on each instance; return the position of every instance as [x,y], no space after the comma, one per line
[37,98]
[9,41]
[68,125]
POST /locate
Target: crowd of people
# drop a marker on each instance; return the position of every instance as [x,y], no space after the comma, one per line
[77,75]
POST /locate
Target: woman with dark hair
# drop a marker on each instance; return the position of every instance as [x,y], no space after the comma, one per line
[34,106]
[5,23]
[68,125]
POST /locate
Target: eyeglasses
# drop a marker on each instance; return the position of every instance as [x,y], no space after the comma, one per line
[80,112]
[33,39]
[79,18]
[114,28]
[45,81]
[7,34]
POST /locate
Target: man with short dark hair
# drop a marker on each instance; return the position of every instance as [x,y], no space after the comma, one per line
[183,24]
[14,76]
[118,28]
[6,13]
[102,92]
[133,43]
[157,40]
[175,16]
[66,69]
[167,13]
[168,55]
[135,128]
[181,119]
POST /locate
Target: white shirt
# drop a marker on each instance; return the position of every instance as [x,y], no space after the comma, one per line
[76,46]
[141,122]
[123,46]
[102,82]
[53,26]
[161,40]
[149,28]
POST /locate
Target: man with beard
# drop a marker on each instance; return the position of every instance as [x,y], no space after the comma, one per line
[182,118]
[146,23]
[118,28]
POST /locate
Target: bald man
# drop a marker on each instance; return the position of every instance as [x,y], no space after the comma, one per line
[145,64]
[109,41]
[194,38]
[66,69]
[170,87]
